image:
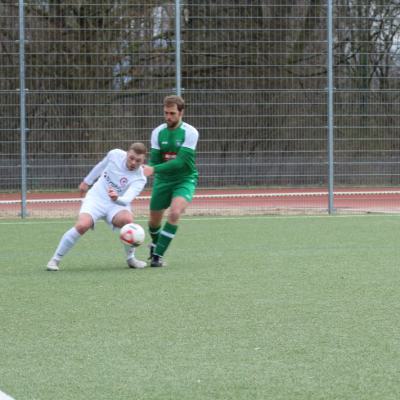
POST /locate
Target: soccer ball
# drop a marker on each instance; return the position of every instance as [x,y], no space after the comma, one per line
[132,234]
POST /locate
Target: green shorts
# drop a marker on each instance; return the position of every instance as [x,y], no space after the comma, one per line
[163,192]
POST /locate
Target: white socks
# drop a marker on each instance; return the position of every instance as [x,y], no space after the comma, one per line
[66,243]
[130,251]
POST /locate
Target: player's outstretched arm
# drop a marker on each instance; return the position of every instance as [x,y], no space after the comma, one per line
[185,156]
[148,170]
[96,170]
[83,188]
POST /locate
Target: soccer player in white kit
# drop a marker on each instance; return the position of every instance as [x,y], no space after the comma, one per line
[120,179]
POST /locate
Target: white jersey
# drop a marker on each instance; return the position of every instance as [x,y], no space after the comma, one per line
[113,172]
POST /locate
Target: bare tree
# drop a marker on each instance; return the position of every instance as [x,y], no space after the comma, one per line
[366,33]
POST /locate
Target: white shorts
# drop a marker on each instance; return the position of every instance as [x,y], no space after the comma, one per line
[101,208]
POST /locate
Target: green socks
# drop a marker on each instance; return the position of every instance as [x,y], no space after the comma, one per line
[165,235]
[154,233]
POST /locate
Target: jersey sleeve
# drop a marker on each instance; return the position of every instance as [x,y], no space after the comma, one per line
[155,152]
[154,138]
[155,157]
[191,138]
[97,170]
[185,156]
[133,191]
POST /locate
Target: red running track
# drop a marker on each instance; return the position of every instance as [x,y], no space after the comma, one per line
[229,201]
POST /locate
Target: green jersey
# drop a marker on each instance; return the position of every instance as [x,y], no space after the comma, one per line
[173,152]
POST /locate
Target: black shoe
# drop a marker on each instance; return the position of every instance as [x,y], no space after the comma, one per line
[157,261]
[152,247]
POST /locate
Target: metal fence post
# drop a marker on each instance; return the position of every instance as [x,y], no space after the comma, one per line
[330,109]
[178,76]
[22,108]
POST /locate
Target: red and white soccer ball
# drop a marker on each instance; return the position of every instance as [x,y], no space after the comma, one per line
[132,234]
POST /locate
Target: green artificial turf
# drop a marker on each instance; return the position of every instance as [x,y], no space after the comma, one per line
[248,308]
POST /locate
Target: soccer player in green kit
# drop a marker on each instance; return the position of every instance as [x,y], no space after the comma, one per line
[172,161]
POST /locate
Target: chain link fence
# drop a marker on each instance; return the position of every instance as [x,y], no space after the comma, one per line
[253,74]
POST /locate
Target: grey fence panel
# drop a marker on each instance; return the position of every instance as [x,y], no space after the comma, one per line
[256,77]
[96,74]
[10,172]
[367,150]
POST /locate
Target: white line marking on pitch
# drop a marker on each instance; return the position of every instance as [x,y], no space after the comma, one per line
[217,218]
[4,396]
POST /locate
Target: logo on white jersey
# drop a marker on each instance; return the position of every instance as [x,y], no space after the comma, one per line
[123,181]
[110,182]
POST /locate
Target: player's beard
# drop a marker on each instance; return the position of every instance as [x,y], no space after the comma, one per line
[173,125]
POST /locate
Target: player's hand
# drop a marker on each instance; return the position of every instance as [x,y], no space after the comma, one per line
[112,193]
[83,188]
[147,170]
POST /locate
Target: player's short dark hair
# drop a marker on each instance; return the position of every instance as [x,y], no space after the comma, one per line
[171,100]
[138,148]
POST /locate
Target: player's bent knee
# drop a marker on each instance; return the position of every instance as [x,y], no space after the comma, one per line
[82,229]
[174,216]
[121,222]
[122,218]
